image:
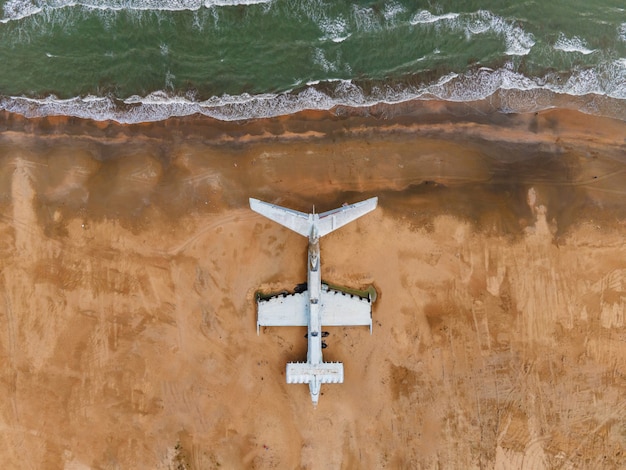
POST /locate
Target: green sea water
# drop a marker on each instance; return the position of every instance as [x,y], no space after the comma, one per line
[146,60]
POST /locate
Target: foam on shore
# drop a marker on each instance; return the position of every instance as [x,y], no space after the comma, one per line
[599,92]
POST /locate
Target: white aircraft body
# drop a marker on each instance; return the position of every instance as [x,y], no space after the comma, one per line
[319,305]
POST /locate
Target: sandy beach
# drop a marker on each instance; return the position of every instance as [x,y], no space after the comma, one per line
[130,262]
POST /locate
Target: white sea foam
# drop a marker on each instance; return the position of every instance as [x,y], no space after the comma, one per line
[340,38]
[517,41]
[621,32]
[516,92]
[574,44]
[365,19]
[19,9]
[334,29]
[392,10]
[425,17]
[319,58]
[523,94]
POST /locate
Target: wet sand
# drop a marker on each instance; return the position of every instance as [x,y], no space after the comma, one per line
[130,262]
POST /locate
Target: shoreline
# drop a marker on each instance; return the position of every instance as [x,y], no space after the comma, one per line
[437,150]
[318,122]
[500,90]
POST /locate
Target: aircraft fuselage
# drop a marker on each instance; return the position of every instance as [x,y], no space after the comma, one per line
[314,279]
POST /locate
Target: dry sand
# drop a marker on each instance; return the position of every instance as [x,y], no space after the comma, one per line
[129,263]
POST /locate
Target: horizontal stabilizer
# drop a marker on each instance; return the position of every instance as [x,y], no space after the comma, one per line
[303,223]
[305,373]
[332,220]
[299,222]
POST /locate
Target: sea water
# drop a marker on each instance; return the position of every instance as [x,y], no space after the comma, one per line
[147,60]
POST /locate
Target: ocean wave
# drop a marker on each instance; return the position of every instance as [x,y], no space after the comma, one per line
[365,19]
[19,9]
[319,58]
[517,41]
[335,26]
[334,29]
[574,44]
[425,17]
[515,92]
[392,10]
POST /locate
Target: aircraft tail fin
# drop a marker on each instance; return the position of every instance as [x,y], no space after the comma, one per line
[303,223]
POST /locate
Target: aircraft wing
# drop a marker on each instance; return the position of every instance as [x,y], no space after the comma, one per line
[294,220]
[336,218]
[342,309]
[283,310]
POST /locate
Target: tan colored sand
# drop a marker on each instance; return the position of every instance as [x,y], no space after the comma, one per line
[128,273]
